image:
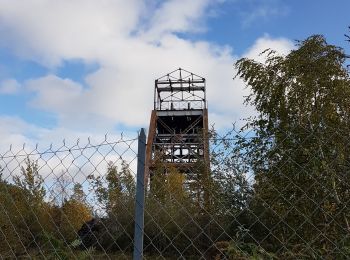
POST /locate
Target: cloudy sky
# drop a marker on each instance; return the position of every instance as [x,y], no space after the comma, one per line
[77,68]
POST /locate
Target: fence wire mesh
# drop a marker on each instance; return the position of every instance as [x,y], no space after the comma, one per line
[65,202]
[257,200]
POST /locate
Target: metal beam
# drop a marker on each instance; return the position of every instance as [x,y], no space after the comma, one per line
[140,198]
[172,89]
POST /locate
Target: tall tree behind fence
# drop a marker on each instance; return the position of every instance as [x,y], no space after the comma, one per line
[78,201]
[277,188]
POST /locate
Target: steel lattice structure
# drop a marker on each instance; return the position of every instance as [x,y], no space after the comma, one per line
[179,122]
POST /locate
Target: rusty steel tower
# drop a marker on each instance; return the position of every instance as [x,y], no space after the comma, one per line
[179,122]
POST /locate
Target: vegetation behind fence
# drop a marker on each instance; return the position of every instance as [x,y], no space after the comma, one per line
[67,204]
[277,188]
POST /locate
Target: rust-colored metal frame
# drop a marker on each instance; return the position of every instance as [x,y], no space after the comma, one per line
[181,148]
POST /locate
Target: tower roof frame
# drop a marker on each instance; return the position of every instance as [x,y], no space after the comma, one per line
[180,90]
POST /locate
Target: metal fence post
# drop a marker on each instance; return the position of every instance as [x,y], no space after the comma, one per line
[140,197]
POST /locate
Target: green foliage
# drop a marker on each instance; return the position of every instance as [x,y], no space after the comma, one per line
[117,191]
[68,212]
[68,219]
[78,193]
[13,236]
[24,213]
[297,206]
[54,248]
[116,195]
[187,209]
[31,181]
[300,155]
[245,251]
[29,225]
[1,175]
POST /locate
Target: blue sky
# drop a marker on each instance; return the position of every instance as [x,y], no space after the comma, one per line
[246,20]
[70,69]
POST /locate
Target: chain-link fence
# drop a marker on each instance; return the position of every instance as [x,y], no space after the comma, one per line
[258,200]
[68,202]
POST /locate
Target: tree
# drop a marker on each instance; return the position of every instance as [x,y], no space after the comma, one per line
[70,211]
[74,214]
[300,155]
[231,189]
[117,190]
[2,180]
[116,194]
[60,189]
[78,193]
[14,236]
[32,182]
[169,208]
[25,208]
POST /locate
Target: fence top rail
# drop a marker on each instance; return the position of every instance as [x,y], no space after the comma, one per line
[63,149]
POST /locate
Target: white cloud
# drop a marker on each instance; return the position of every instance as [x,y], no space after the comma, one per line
[178,16]
[50,31]
[133,44]
[9,86]
[77,155]
[54,94]
[14,132]
[281,45]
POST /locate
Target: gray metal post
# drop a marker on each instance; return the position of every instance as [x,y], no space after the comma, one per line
[140,197]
